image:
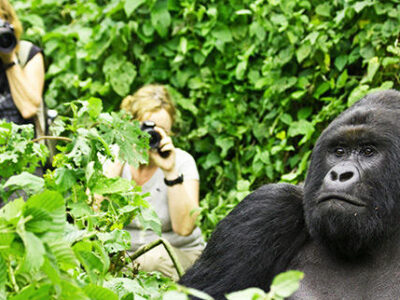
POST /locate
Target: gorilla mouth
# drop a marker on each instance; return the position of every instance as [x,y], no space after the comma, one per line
[344,198]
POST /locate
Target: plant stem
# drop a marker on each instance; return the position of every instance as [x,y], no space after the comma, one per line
[167,247]
[12,278]
[48,137]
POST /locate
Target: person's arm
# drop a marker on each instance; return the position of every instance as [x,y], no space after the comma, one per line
[26,84]
[112,169]
[183,197]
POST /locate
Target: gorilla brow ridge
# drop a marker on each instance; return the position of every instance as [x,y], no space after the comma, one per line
[361,117]
[349,134]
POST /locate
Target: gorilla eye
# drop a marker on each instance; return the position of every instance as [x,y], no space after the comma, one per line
[368,151]
[339,151]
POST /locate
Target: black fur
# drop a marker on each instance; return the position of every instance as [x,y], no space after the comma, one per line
[350,209]
[262,233]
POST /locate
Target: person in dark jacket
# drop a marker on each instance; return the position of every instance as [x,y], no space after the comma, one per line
[21,78]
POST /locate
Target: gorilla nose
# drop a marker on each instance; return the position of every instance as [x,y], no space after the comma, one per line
[341,177]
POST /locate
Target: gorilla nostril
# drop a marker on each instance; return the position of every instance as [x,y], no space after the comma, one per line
[334,175]
[346,176]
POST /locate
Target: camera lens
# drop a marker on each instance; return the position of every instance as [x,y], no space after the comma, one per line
[155,137]
[7,40]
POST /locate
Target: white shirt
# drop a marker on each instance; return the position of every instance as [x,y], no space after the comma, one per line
[158,199]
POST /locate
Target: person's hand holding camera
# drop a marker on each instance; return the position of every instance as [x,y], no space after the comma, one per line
[164,155]
[8,58]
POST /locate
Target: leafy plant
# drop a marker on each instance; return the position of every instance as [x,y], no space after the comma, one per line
[55,245]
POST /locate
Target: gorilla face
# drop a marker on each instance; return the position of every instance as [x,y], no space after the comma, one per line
[352,190]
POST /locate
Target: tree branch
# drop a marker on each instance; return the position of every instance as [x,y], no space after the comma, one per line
[48,137]
[167,247]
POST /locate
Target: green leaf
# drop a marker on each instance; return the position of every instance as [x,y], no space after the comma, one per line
[34,252]
[183,45]
[5,130]
[120,72]
[222,33]
[160,17]
[12,210]
[367,52]
[122,78]
[174,295]
[3,272]
[51,201]
[32,292]
[250,293]
[324,10]
[280,20]
[287,119]
[304,113]
[342,79]
[124,286]
[95,106]
[285,284]
[199,294]
[225,144]
[360,5]
[240,70]
[301,127]
[303,52]
[71,291]
[212,159]
[91,261]
[28,182]
[41,222]
[356,94]
[99,293]
[106,185]
[116,240]
[51,271]
[340,62]
[65,178]
[373,66]
[148,219]
[131,5]
[321,89]
[63,254]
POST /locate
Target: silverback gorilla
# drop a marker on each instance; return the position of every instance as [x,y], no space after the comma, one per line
[342,229]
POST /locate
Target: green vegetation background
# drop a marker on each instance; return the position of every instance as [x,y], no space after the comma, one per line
[255,81]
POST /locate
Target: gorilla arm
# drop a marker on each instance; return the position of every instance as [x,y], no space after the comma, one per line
[261,234]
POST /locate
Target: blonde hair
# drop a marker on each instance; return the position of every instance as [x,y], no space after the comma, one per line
[149,99]
[8,13]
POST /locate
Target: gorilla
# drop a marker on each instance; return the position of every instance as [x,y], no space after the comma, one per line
[342,229]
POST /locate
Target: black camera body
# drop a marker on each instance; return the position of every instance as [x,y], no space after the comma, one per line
[8,40]
[155,137]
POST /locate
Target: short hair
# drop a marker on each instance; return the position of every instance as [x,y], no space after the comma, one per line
[8,13]
[149,98]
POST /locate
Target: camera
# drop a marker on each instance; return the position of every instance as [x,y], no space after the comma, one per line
[155,137]
[8,41]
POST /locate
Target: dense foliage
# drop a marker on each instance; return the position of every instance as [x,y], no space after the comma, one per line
[61,243]
[255,81]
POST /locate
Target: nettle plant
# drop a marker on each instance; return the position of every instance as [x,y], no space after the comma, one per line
[56,244]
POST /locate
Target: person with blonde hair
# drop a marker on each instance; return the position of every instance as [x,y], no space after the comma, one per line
[171,178]
[21,70]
